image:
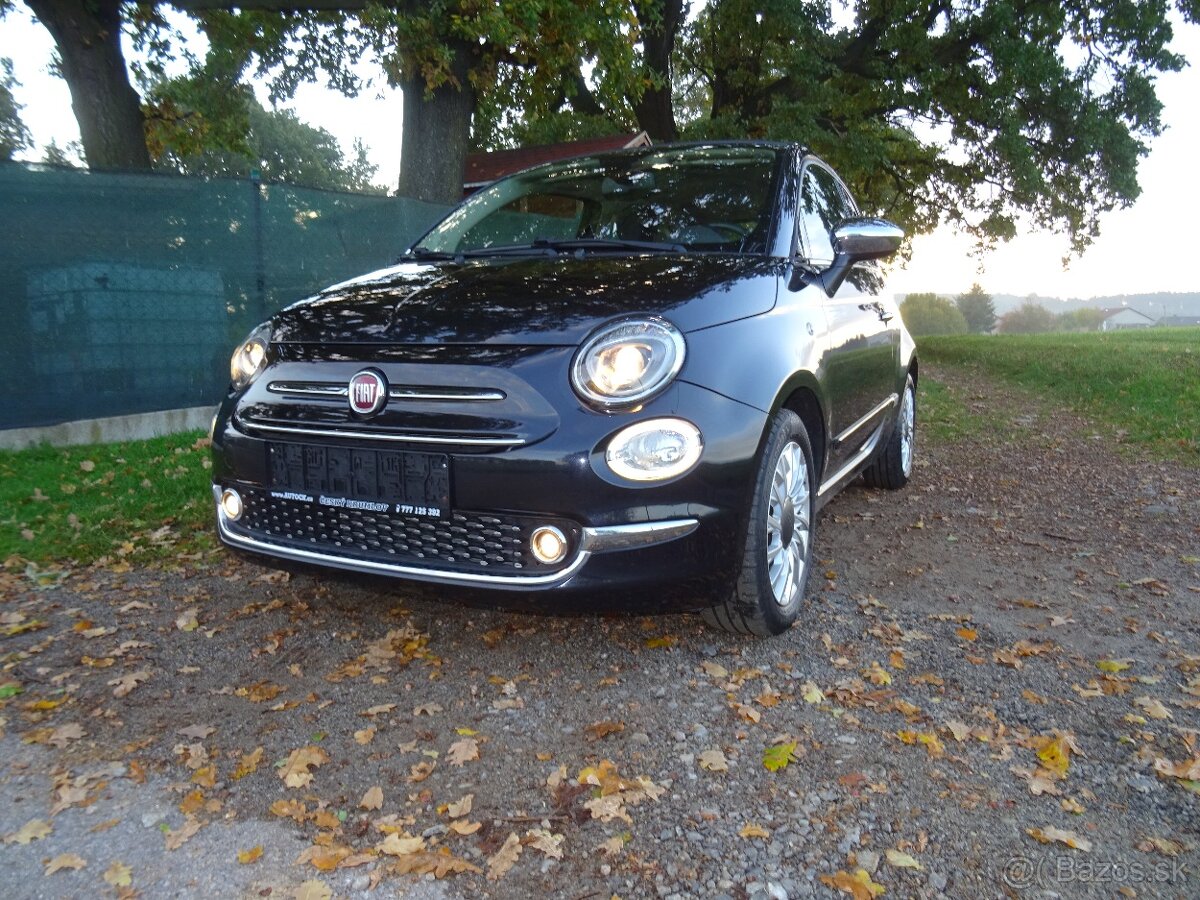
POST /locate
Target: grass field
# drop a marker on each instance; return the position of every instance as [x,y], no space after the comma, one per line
[1145,382]
[122,502]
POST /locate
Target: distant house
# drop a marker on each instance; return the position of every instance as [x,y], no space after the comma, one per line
[1179,321]
[484,168]
[1124,317]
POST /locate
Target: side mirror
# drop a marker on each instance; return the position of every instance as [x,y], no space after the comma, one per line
[859,240]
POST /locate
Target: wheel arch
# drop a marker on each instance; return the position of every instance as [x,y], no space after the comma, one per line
[801,395]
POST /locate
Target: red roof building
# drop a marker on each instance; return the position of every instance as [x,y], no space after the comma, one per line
[484,168]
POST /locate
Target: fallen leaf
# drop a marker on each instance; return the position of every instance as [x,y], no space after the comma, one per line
[463,751]
[613,846]
[504,858]
[812,693]
[177,837]
[959,730]
[462,826]
[750,830]
[65,861]
[1056,756]
[372,799]
[545,841]
[714,761]
[254,854]
[440,864]
[420,771]
[901,860]
[427,709]
[778,756]
[1112,666]
[933,744]
[1151,707]
[290,809]
[248,764]
[398,845]
[607,808]
[365,736]
[714,670]
[33,830]
[118,874]
[295,770]
[196,732]
[313,890]
[460,808]
[1165,846]
[127,682]
[664,641]
[859,885]
[598,730]
[1050,834]
[967,634]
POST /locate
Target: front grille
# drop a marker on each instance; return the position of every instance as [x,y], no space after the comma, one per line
[467,541]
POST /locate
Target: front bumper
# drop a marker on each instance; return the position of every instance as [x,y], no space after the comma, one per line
[686,533]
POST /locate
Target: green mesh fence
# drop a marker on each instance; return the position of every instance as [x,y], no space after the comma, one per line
[125,293]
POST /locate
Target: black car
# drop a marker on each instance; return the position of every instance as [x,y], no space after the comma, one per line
[644,369]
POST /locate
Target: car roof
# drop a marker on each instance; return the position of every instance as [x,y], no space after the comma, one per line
[634,152]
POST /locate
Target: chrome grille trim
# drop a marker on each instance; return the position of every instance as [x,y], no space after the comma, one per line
[333,390]
[309,388]
[451,394]
[460,440]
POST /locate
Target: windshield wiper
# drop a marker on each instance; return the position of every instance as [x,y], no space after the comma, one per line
[549,247]
[609,244]
[425,253]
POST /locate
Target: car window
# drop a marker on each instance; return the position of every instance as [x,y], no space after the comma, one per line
[549,216]
[823,204]
[709,198]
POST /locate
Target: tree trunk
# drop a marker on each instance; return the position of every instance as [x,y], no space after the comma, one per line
[655,110]
[87,34]
[437,129]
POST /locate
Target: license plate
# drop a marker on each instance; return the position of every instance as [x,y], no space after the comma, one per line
[415,484]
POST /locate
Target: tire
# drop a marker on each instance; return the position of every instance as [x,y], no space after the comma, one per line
[769,591]
[892,466]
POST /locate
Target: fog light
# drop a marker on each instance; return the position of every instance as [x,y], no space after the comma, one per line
[548,544]
[655,450]
[231,504]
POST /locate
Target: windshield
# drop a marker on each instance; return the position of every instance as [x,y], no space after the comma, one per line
[714,198]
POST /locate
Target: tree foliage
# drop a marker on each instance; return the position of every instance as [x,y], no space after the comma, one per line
[984,115]
[14,136]
[987,115]
[977,308]
[276,144]
[1028,318]
[926,314]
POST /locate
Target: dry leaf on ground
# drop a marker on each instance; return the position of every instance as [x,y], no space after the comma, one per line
[504,858]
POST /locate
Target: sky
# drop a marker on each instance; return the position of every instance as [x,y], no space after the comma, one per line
[1143,248]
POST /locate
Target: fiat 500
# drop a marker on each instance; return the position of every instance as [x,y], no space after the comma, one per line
[646,369]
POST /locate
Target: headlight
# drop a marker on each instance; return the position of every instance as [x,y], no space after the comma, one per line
[625,363]
[249,357]
[654,450]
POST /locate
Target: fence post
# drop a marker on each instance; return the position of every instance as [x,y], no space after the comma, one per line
[260,274]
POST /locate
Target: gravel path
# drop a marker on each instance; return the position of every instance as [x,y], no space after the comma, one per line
[1006,653]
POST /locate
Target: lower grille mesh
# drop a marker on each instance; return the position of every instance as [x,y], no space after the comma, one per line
[465,542]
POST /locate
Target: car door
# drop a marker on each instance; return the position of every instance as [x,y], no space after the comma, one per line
[859,364]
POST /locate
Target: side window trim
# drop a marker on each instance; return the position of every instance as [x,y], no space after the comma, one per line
[801,242]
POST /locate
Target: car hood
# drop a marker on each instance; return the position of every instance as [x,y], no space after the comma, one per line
[524,300]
